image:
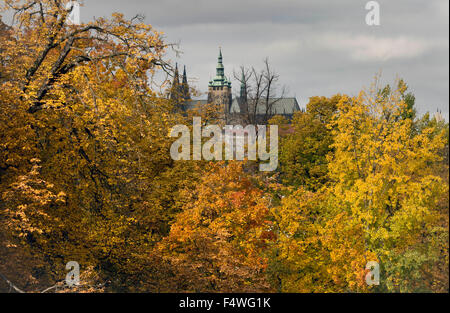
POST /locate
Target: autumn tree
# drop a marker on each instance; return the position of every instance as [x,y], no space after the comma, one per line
[303,151]
[382,175]
[79,99]
[217,242]
[316,249]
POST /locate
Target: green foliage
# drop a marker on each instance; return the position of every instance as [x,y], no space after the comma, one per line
[303,151]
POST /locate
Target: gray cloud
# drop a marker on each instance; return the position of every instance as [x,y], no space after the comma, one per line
[318,47]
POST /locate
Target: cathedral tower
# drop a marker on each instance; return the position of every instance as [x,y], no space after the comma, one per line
[219,89]
[243,101]
[179,91]
[175,88]
[185,87]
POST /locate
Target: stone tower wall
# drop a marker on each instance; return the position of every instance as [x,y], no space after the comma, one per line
[220,96]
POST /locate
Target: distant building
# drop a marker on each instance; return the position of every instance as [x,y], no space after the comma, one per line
[237,110]
[179,91]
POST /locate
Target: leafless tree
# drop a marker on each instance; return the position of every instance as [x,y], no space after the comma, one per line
[262,92]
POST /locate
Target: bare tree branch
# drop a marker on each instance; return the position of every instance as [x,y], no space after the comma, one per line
[11,284]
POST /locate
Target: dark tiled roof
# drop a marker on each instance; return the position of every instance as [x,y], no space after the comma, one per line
[279,106]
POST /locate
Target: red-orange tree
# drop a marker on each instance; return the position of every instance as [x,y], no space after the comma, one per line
[217,243]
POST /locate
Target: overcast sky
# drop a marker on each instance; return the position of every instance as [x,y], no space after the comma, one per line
[318,47]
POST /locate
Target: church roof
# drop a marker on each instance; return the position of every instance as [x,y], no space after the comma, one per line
[279,106]
[282,106]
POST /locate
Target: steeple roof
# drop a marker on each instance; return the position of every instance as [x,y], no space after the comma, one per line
[175,84]
[176,77]
[185,86]
[243,94]
[184,75]
[220,79]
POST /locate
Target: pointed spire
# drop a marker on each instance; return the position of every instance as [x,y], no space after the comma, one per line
[243,94]
[176,75]
[174,91]
[220,80]
[184,75]
[220,69]
[185,86]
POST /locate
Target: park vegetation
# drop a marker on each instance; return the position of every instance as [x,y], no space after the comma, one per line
[86,175]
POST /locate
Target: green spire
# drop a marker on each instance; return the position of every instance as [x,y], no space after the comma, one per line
[220,68]
[220,80]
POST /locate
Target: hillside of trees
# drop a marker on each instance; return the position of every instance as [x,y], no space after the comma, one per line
[86,175]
